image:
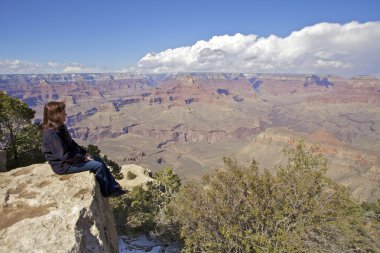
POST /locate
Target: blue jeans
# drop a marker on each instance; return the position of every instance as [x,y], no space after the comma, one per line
[104,177]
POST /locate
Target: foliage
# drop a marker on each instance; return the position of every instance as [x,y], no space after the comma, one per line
[131,175]
[28,146]
[139,210]
[168,182]
[21,139]
[94,151]
[242,209]
[372,219]
[166,187]
[120,208]
[372,209]
[145,209]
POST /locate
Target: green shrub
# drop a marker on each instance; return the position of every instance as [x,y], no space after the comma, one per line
[131,175]
[372,209]
[146,209]
[372,219]
[242,209]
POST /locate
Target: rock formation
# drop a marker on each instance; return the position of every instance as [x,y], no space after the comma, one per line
[107,107]
[44,212]
[142,176]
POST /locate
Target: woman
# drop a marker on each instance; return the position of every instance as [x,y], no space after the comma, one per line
[65,156]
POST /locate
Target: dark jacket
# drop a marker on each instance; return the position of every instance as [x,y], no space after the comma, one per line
[60,149]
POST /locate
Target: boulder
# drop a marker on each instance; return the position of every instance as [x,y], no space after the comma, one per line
[44,212]
[143,176]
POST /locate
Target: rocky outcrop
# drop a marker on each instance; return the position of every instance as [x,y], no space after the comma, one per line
[142,176]
[44,212]
[107,107]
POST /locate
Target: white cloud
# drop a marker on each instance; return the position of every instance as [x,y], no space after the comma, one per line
[332,64]
[325,48]
[348,49]
[78,68]
[19,67]
[53,64]
[25,67]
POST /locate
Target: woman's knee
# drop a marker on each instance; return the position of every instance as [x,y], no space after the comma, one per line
[96,166]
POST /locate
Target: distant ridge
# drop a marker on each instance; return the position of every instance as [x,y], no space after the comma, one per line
[92,77]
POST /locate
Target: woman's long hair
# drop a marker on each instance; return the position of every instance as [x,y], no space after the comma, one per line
[51,114]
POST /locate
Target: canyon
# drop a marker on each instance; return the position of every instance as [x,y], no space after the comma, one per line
[190,121]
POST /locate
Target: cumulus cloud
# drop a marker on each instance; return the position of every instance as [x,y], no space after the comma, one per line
[347,49]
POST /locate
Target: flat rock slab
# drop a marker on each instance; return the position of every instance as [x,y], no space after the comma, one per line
[44,212]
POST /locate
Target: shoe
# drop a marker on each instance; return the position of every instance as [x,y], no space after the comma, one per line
[118,192]
[117,186]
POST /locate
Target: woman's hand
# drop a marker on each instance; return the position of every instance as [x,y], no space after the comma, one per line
[88,157]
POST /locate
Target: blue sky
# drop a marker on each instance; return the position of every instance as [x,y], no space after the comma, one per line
[105,36]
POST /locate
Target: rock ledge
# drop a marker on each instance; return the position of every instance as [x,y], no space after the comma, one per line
[44,212]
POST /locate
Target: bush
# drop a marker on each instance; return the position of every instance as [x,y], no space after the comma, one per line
[131,175]
[134,212]
[146,209]
[241,209]
[372,209]
[372,219]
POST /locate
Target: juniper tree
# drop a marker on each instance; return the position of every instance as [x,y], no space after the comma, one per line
[21,139]
[244,209]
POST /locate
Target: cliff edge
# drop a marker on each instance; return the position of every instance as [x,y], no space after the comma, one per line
[44,212]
